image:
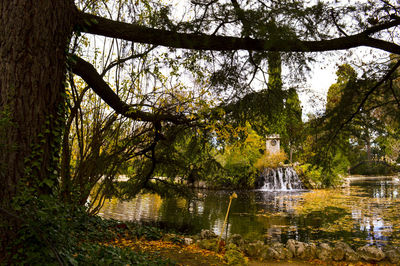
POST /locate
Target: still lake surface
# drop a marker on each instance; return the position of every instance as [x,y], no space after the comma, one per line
[367,212]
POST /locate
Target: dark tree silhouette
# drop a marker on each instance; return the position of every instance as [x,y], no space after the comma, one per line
[34,39]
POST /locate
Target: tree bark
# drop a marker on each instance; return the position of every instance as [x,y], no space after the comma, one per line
[141,34]
[34,37]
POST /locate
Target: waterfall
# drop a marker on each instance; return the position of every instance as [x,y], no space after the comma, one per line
[279,179]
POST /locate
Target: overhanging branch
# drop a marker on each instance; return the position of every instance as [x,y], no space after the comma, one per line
[90,75]
[365,98]
[383,26]
[141,34]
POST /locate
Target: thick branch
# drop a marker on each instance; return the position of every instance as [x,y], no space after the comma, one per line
[141,34]
[383,45]
[89,74]
[383,26]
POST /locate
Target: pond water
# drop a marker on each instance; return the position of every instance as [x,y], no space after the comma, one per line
[367,212]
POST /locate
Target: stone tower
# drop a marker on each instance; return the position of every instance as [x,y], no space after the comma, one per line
[272,144]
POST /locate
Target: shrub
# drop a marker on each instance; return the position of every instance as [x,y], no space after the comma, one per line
[234,257]
[310,175]
[209,244]
[270,160]
[373,168]
[240,175]
[53,232]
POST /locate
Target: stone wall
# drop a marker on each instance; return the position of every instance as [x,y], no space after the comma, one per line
[272,144]
[293,249]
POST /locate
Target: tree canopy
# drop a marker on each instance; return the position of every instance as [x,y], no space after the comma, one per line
[226,48]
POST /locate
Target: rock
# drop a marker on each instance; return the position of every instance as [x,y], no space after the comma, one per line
[207,234]
[301,250]
[288,254]
[339,251]
[275,254]
[393,256]
[291,245]
[352,256]
[188,241]
[371,253]
[277,245]
[277,251]
[342,251]
[310,251]
[284,252]
[296,248]
[324,252]
[236,239]
[254,249]
[270,253]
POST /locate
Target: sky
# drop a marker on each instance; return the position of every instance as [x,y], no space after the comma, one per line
[323,74]
[320,81]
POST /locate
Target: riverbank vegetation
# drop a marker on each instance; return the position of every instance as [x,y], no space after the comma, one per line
[103,99]
[57,233]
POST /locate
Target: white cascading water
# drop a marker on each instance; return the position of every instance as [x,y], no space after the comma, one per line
[279,179]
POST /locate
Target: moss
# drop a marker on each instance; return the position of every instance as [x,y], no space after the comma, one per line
[234,257]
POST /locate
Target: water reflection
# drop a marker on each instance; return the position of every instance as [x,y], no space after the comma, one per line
[366,212]
[379,218]
[142,208]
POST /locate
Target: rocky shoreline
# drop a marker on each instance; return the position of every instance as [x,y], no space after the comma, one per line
[294,249]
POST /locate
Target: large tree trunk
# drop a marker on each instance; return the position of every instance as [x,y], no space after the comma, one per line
[34,37]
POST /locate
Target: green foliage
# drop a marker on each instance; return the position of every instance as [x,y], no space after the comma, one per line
[55,232]
[182,157]
[209,244]
[345,75]
[270,160]
[293,135]
[238,160]
[367,132]
[340,163]
[373,168]
[327,172]
[234,256]
[149,232]
[263,109]
[310,175]
[96,254]
[187,154]
[331,178]
[272,110]
[347,134]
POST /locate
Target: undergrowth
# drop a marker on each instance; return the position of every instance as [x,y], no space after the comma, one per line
[50,232]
